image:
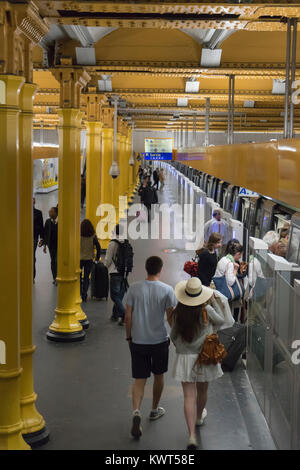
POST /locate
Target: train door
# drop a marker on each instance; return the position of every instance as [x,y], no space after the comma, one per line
[266,217]
[293,253]
[227,198]
[236,204]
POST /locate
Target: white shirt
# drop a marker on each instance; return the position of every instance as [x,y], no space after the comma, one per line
[225,267]
[254,271]
[221,227]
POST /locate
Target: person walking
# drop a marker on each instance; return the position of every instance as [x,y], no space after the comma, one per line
[217,225]
[119,262]
[50,239]
[147,302]
[148,197]
[207,259]
[38,233]
[88,243]
[162,178]
[196,316]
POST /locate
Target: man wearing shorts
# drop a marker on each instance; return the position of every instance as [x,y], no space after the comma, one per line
[147,302]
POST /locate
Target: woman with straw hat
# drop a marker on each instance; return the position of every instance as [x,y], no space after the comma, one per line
[196,316]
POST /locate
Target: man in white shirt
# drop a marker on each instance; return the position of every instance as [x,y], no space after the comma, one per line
[217,225]
[147,303]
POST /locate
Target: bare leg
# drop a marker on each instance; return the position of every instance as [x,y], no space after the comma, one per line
[190,400]
[158,386]
[138,393]
[202,388]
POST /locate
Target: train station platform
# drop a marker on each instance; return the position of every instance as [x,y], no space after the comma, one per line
[84,388]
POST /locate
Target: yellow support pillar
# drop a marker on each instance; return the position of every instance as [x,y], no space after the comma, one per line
[116,185]
[34,429]
[10,369]
[93,170]
[66,327]
[130,167]
[106,180]
[123,163]
[80,315]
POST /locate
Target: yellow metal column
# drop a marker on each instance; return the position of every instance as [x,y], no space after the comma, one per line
[66,326]
[93,168]
[10,370]
[34,430]
[130,167]
[116,186]
[123,163]
[80,315]
[106,179]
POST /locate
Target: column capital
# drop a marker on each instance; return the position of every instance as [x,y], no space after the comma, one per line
[27,94]
[93,104]
[71,80]
[93,127]
[10,86]
[69,117]
[107,115]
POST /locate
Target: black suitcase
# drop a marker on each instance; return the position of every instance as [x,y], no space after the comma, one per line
[234,340]
[99,281]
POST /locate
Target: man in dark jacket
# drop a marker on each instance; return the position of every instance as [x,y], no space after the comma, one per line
[50,240]
[155,178]
[38,232]
[148,197]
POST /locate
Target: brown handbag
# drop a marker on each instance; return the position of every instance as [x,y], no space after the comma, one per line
[213,351]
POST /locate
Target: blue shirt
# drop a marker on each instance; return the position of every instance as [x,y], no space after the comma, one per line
[149,301]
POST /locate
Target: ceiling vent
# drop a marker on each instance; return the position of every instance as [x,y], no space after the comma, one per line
[182,101]
[85,56]
[211,58]
[192,86]
[249,104]
[278,87]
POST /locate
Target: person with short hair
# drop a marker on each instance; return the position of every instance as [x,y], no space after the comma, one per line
[217,225]
[38,233]
[147,302]
[156,178]
[207,259]
[196,316]
[88,242]
[50,239]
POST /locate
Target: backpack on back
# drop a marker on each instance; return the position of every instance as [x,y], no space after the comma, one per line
[124,258]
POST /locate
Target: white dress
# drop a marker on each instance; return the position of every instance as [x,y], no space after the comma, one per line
[187,353]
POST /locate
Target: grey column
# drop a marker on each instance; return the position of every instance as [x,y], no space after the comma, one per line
[287,79]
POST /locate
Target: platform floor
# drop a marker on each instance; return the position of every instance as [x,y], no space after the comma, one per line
[84,388]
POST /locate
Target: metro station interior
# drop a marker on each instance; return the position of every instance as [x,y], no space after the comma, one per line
[83,85]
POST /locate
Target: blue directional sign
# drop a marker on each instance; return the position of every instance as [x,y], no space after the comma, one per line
[158,156]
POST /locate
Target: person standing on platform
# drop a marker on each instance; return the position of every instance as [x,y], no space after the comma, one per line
[88,241]
[50,239]
[118,260]
[38,233]
[207,259]
[196,316]
[162,178]
[156,178]
[147,302]
[148,196]
[217,225]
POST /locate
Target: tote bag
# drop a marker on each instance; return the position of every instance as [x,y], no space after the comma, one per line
[234,292]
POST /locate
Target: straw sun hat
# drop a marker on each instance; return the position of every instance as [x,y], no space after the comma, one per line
[192,292]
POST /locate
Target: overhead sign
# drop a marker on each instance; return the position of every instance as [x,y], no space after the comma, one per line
[247,193]
[158,149]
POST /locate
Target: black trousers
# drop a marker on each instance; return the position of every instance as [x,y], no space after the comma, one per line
[35,244]
[148,206]
[86,267]
[53,256]
[156,183]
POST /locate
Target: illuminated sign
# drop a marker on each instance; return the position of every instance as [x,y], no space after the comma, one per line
[158,149]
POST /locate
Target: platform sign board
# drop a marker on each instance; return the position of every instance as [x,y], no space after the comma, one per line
[247,193]
[158,149]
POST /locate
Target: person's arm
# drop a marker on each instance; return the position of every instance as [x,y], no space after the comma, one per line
[109,254]
[215,313]
[128,321]
[169,313]
[98,247]
[41,226]
[230,273]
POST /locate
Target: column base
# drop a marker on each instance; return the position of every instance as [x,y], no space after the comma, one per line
[84,323]
[38,438]
[65,337]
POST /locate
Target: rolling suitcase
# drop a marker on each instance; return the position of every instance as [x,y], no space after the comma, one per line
[99,281]
[234,340]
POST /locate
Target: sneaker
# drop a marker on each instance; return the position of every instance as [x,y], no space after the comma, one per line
[157,413]
[121,321]
[136,430]
[192,444]
[200,421]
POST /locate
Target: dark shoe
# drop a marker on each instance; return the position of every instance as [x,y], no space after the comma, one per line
[136,430]
[157,414]
[113,318]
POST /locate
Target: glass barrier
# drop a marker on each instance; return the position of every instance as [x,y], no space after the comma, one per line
[273,326]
